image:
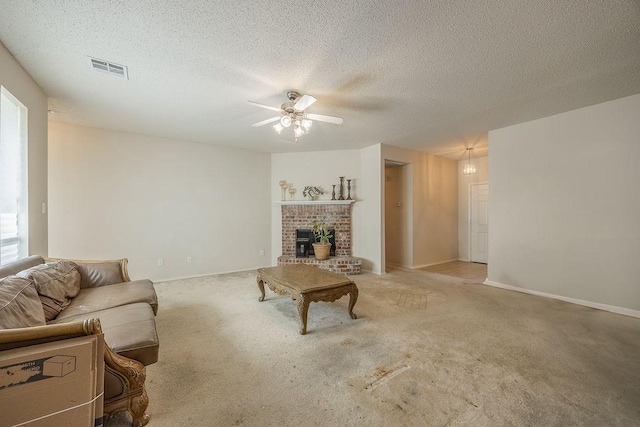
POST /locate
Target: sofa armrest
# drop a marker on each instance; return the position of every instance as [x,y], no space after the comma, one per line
[123,378]
[20,337]
[95,273]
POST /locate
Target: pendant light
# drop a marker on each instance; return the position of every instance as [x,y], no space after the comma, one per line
[469,168]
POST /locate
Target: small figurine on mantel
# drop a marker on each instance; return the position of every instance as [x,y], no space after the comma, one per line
[312,192]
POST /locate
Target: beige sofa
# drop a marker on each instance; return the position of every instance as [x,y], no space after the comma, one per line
[40,301]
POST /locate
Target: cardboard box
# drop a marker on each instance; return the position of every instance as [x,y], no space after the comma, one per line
[52,384]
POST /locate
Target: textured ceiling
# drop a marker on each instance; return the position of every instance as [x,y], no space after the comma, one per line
[429,75]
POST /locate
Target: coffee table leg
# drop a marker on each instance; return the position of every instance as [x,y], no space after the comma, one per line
[353,297]
[303,308]
[261,287]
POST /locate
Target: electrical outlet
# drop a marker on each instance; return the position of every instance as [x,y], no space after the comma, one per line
[160,262]
[189,259]
[261,252]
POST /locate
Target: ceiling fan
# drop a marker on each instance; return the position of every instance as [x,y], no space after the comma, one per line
[292,114]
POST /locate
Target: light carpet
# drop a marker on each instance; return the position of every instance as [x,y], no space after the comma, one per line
[426,349]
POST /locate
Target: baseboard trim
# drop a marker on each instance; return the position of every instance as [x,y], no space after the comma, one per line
[393,264]
[415,267]
[464,260]
[206,274]
[606,307]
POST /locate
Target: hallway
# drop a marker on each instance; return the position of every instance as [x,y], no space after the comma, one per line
[461,269]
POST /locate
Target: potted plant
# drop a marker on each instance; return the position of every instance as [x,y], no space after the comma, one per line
[322,247]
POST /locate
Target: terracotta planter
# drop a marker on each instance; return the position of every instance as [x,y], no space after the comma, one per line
[322,250]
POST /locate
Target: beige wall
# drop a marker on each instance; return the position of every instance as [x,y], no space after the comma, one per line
[464,188]
[16,80]
[434,190]
[565,204]
[397,220]
[115,194]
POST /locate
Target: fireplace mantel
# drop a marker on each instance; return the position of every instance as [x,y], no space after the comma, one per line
[314,202]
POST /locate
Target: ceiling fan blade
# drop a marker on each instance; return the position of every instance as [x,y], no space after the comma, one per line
[304,102]
[328,119]
[268,107]
[266,122]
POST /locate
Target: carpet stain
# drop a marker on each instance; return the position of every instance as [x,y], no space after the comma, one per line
[412,301]
[348,342]
[383,375]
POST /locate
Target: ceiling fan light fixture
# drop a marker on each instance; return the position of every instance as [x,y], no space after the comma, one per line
[285,121]
[306,124]
[292,113]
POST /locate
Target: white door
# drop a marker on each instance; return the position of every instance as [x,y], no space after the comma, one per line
[479,222]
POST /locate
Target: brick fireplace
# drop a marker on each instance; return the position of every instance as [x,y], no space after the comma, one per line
[302,215]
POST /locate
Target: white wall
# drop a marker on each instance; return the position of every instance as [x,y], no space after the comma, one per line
[464,187]
[116,194]
[434,209]
[565,205]
[16,80]
[320,169]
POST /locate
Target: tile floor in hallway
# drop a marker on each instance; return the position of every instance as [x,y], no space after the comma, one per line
[462,269]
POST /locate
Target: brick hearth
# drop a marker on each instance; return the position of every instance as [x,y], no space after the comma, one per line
[337,215]
[345,265]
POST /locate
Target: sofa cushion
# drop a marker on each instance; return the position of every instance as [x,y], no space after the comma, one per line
[56,284]
[130,330]
[95,274]
[20,306]
[95,299]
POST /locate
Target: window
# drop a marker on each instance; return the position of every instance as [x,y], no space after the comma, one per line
[14,217]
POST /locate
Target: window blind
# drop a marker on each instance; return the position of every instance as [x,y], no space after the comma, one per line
[13,179]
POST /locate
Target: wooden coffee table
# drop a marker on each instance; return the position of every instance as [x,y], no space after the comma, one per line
[307,284]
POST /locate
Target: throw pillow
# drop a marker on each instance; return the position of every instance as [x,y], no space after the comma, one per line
[20,306]
[57,283]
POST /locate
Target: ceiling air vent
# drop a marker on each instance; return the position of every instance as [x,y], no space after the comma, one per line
[106,67]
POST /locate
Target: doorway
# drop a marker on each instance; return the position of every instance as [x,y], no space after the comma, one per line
[479,223]
[398,246]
